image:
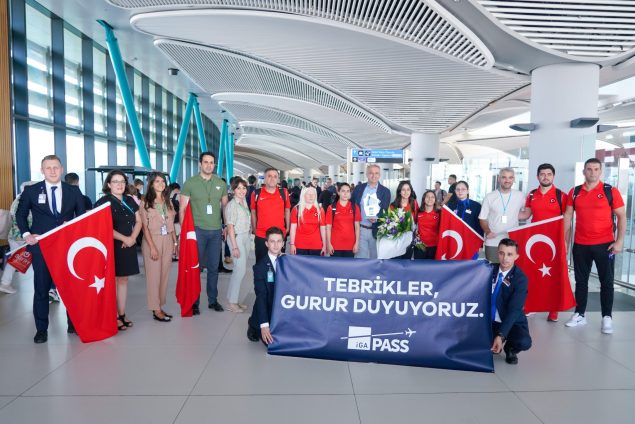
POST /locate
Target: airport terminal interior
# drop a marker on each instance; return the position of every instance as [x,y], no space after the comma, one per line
[316,89]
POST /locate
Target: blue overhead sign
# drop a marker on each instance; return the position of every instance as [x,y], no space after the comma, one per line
[376,156]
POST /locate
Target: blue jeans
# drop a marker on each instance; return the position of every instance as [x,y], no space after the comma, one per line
[209,248]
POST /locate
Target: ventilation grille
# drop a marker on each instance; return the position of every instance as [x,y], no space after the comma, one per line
[217,70]
[424,23]
[598,29]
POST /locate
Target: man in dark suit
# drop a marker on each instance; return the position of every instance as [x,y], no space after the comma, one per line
[51,203]
[264,280]
[373,199]
[509,291]
[73,179]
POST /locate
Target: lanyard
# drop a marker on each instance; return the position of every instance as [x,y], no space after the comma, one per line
[505,205]
[123,203]
[465,203]
[208,188]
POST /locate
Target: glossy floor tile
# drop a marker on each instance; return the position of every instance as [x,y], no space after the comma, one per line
[203,369]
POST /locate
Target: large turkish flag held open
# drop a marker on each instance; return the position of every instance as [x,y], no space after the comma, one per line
[80,258]
[457,240]
[543,259]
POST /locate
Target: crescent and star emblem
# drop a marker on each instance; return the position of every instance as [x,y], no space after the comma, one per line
[79,245]
[541,238]
[191,235]
[459,241]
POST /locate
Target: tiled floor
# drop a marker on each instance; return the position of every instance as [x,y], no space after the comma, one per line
[203,369]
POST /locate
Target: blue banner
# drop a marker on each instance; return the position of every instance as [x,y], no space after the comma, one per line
[421,313]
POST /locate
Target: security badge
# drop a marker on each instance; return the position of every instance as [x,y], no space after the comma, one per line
[507,280]
[209,209]
[164,230]
[41,199]
[270,275]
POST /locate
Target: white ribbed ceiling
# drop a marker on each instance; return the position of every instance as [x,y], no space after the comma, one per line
[409,88]
[423,23]
[589,30]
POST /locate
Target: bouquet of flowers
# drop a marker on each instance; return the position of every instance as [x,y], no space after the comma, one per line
[394,233]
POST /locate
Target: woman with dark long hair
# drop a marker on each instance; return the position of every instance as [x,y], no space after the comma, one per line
[428,220]
[406,199]
[159,243]
[126,223]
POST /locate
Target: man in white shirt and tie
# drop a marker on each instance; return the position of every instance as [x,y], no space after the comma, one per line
[509,291]
[264,284]
[51,203]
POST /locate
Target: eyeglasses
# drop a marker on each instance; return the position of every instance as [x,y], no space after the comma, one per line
[117,181]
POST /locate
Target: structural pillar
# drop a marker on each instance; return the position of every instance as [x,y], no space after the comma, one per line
[424,151]
[6,153]
[306,172]
[359,170]
[559,94]
[333,172]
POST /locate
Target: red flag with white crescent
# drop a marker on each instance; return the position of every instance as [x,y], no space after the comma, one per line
[457,240]
[80,257]
[543,258]
[188,283]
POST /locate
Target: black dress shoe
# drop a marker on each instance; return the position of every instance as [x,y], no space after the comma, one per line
[216,306]
[195,310]
[224,270]
[71,329]
[252,334]
[510,356]
[41,337]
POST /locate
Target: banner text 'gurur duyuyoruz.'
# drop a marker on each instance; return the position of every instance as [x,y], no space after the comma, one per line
[421,313]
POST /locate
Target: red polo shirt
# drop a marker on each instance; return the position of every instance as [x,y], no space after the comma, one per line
[593,216]
[343,229]
[307,234]
[545,206]
[428,227]
[270,211]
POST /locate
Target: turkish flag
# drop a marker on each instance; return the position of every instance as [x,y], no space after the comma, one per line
[188,282]
[80,257]
[543,258]
[20,259]
[457,240]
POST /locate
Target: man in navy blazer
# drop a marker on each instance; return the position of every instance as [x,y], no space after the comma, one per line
[509,291]
[51,203]
[264,285]
[373,199]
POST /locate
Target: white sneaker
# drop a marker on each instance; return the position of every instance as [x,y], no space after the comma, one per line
[53,296]
[607,325]
[575,320]
[6,288]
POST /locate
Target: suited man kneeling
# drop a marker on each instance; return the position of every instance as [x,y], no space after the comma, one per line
[264,280]
[509,291]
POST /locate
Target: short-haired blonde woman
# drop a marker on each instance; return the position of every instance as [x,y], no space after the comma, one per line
[308,226]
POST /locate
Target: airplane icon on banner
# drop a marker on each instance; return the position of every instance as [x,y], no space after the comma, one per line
[407,332]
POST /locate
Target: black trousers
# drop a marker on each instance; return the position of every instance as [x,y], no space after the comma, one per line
[343,254]
[42,282]
[428,253]
[518,338]
[260,247]
[583,257]
[307,252]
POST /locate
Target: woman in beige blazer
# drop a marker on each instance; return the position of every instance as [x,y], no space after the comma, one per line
[159,243]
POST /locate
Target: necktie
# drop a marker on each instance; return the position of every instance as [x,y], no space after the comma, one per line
[54,201]
[495,294]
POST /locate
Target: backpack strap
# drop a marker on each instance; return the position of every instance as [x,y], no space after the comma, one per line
[559,199]
[576,192]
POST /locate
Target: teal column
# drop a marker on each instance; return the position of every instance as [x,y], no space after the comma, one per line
[230,157]
[124,88]
[178,154]
[199,127]
[221,148]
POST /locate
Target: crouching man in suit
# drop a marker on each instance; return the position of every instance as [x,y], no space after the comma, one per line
[509,291]
[264,280]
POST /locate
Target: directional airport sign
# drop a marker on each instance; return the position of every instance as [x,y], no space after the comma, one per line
[376,156]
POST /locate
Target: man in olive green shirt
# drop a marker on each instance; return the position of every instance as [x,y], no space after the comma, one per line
[207,194]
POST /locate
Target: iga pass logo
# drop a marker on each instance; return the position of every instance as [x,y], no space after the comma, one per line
[361,338]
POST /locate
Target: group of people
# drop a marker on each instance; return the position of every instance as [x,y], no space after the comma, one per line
[344,223]
[348,228]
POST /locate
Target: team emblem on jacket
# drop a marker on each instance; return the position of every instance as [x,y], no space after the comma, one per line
[600,196]
[552,200]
